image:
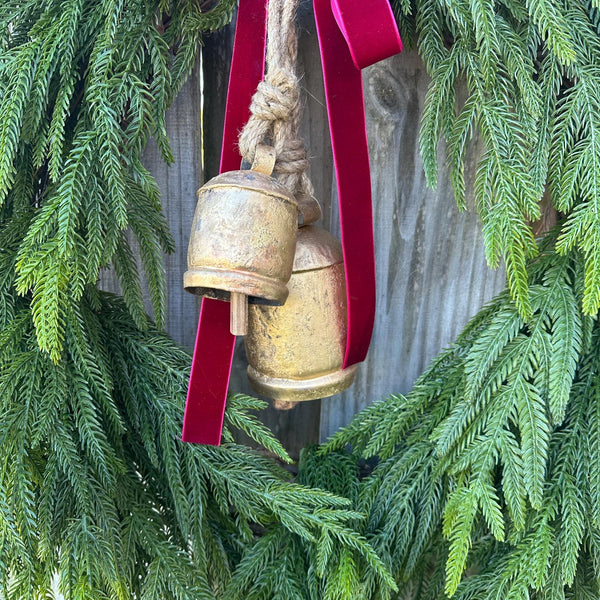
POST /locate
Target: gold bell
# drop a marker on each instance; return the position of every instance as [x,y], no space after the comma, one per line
[296,351]
[243,239]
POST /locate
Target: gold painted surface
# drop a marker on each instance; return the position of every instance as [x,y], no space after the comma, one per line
[243,238]
[310,210]
[288,392]
[296,351]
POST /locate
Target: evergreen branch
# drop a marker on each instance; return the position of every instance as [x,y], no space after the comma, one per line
[237,416]
[546,14]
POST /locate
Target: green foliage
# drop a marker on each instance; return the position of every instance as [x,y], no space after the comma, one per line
[84,83]
[99,492]
[482,482]
[524,76]
[486,476]
[99,498]
[332,565]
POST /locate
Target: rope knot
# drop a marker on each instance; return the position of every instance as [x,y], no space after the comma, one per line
[275,108]
[275,99]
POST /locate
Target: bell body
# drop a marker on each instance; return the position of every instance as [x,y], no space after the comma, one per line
[296,351]
[243,238]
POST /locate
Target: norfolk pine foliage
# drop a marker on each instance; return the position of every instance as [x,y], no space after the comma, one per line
[489,466]
[97,493]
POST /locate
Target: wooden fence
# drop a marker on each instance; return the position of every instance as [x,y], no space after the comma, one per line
[431,272]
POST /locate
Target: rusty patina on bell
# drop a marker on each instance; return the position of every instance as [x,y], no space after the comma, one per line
[243,240]
[295,351]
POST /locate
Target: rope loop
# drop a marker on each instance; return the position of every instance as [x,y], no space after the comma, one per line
[275,108]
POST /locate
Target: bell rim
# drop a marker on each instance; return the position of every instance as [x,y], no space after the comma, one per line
[254,285]
[302,390]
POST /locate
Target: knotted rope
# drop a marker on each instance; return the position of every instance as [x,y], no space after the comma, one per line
[275,107]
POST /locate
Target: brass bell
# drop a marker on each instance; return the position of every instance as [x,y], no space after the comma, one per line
[296,351]
[243,239]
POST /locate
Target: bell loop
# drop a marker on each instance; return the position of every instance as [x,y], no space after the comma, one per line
[264,159]
[310,210]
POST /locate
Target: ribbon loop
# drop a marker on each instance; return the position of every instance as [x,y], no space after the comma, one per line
[369,29]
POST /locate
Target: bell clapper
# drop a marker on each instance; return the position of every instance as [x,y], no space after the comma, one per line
[238,316]
[283,404]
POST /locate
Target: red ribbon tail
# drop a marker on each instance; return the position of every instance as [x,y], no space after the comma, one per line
[352,35]
[213,352]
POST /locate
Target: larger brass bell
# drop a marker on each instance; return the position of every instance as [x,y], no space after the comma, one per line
[243,239]
[296,351]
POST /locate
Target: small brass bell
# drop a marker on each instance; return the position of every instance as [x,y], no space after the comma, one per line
[243,239]
[296,351]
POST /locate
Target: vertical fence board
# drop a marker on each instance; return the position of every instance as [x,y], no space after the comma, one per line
[178,183]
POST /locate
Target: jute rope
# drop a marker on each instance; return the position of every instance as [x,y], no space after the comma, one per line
[275,108]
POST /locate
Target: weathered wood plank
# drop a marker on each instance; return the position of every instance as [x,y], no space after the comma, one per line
[314,127]
[216,60]
[178,184]
[431,272]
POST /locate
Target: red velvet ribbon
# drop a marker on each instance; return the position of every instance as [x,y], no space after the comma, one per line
[352,35]
[213,351]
